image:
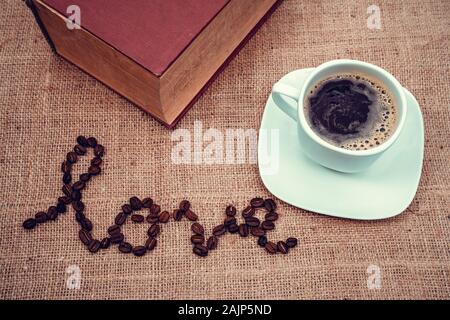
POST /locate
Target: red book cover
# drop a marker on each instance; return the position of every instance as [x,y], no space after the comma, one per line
[159,54]
[153,33]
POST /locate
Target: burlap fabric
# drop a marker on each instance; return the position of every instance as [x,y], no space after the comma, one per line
[46,102]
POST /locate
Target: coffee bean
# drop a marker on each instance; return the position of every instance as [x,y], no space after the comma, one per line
[291,242]
[85,237]
[79,185]
[97,161]
[29,224]
[243,230]
[185,205]
[135,203]
[262,241]
[94,246]
[257,202]
[67,190]
[270,205]
[82,141]
[152,218]
[164,217]
[85,177]
[94,170]
[268,225]
[99,150]
[71,157]
[114,229]
[248,212]
[66,167]
[79,216]
[212,242]
[155,209]
[200,250]
[86,224]
[178,215]
[230,211]
[197,239]
[257,231]
[75,195]
[233,228]
[125,247]
[219,230]
[197,228]
[67,178]
[273,216]
[190,215]
[52,216]
[92,142]
[117,238]
[78,206]
[120,219]
[153,231]
[139,251]
[137,218]
[65,200]
[150,244]
[40,217]
[79,150]
[229,221]
[281,246]
[105,243]
[252,221]
[61,207]
[126,208]
[271,247]
[52,213]
[147,202]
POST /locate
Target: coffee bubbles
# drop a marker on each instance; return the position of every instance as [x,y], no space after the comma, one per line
[351,111]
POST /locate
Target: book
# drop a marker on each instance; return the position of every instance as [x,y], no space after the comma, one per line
[159,54]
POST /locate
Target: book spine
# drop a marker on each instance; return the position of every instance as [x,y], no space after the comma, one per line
[30,4]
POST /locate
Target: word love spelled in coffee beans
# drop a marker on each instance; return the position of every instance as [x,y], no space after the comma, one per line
[202,245]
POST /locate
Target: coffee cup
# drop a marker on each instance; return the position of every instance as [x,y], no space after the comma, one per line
[291,100]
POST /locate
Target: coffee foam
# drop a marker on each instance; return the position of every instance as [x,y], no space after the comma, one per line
[381,121]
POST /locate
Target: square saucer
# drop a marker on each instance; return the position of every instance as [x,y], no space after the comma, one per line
[384,190]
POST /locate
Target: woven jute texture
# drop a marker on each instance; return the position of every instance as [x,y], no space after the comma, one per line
[46,102]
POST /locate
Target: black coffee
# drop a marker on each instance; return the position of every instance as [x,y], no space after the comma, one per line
[351,111]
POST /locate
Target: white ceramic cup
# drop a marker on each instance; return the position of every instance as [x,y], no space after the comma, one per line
[290,100]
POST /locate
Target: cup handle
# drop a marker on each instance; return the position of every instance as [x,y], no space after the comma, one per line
[286,96]
[282,93]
